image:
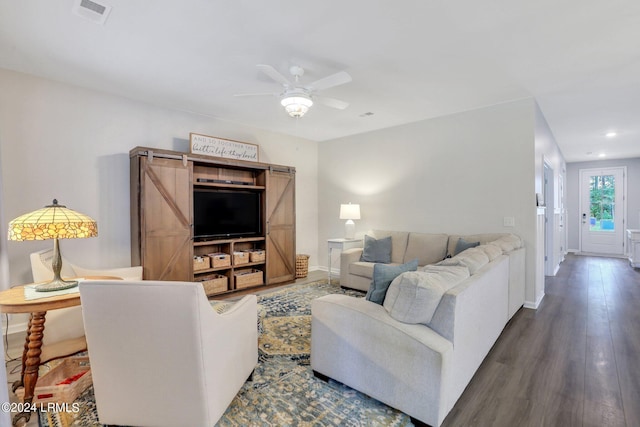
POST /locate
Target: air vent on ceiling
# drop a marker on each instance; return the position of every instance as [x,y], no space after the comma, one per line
[92,10]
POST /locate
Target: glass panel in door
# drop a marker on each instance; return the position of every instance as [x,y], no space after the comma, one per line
[602,196]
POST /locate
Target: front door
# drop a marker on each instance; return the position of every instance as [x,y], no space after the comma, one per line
[602,210]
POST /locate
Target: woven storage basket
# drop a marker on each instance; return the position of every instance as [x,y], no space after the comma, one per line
[220,259]
[63,383]
[240,258]
[200,263]
[256,255]
[248,278]
[214,284]
[302,265]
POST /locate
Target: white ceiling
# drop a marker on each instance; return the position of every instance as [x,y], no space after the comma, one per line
[410,60]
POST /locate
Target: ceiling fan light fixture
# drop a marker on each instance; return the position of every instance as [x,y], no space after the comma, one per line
[296,105]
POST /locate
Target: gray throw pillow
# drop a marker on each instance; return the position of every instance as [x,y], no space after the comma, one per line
[383,275]
[376,250]
[463,245]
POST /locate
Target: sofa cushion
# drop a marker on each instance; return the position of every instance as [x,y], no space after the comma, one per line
[513,239]
[463,245]
[492,251]
[376,250]
[414,296]
[505,245]
[473,259]
[483,238]
[398,243]
[383,275]
[364,269]
[427,248]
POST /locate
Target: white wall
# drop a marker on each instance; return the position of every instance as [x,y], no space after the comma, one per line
[456,174]
[547,151]
[573,194]
[70,143]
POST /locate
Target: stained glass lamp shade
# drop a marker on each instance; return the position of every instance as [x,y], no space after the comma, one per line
[53,222]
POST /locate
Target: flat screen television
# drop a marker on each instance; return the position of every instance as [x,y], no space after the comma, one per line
[226,213]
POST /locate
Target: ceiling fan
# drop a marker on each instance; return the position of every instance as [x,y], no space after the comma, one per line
[297,98]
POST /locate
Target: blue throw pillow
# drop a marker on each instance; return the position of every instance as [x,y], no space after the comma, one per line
[383,275]
[463,245]
[376,250]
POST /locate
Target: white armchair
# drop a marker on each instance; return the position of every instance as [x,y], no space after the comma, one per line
[42,271]
[161,356]
[64,329]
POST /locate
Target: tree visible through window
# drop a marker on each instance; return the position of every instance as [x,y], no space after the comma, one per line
[602,196]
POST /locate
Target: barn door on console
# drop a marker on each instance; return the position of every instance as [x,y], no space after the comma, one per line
[165,213]
[280,218]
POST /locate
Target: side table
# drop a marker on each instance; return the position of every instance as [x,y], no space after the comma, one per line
[12,301]
[342,244]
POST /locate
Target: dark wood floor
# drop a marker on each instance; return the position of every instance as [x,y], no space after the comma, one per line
[573,362]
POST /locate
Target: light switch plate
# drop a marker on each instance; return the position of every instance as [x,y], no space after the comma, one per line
[509,221]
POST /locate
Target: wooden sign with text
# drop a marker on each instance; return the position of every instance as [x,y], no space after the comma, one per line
[220,147]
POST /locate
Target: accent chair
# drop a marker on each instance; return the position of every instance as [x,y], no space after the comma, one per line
[162,356]
[64,334]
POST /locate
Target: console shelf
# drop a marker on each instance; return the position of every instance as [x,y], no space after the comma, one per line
[233,186]
[221,241]
[162,218]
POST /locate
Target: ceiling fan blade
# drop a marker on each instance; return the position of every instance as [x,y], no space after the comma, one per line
[257,94]
[332,102]
[330,81]
[274,74]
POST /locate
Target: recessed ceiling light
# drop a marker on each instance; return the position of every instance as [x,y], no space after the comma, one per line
[602,155]
[588,153]
[610,134]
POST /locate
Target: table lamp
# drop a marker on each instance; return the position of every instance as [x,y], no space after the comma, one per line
[350,212]
[53,222]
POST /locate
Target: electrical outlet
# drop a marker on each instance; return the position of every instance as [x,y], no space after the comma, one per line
[509,221]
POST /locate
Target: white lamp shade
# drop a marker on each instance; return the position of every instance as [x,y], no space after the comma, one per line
[349,211]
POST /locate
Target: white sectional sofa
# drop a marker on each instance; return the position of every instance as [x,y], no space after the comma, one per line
[418,351]
[429,249]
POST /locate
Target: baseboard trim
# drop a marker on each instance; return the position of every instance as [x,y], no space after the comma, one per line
[334,271]
[534,305]
[15,328]
[621,256]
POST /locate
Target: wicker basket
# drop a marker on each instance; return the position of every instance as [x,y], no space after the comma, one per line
[302,265]
[219,260]
[240,258]
[256,255]
[214,284]
[63,383]
[248,278]
[200,263]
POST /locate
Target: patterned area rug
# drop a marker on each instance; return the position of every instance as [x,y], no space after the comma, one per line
[284,391]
